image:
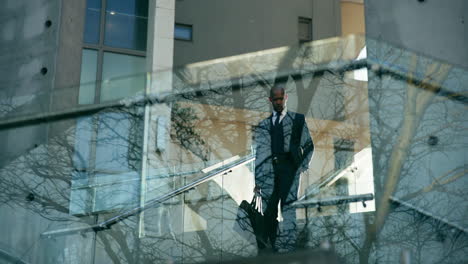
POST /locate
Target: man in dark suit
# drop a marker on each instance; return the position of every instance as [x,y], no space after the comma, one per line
[284,149]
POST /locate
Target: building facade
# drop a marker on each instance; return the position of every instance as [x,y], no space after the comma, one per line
[126,128]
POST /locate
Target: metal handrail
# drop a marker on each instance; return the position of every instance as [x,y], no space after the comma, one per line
[427,213]
[341,67]
[334,200]
[113,220]
[161,98]
[330,176]
[156,98]
[10,257]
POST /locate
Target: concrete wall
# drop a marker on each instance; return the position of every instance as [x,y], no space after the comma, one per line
[40,58]
[40,47]
[226,28]
[27,45]
[418,136]
[70,45]
[434,28]
[28,49]
[65,89]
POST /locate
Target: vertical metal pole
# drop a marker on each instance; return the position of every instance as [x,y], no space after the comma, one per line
[144,159]
[94,239]
[100,57]
[405,257]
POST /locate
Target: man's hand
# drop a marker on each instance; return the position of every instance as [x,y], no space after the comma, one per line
[258,200]
[256,190]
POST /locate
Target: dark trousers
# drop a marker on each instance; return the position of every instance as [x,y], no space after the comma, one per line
[284,176]
[270,230]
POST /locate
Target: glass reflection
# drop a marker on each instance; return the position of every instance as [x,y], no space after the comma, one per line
[126,24]
[183,32]
[88,76]
[123,76]
[400,135]
[92,21]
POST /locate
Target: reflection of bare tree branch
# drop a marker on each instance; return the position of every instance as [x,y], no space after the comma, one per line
[183,123]
[416,104]
[439,182]
[417,101]
[45,173]
[109,250]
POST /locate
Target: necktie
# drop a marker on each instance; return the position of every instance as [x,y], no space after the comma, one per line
[277,120]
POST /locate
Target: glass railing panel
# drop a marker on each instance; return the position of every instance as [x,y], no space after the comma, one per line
[54,190]
[239,240]
[416,106]
[106,180]
[120,155]
[120,243]
[203,223]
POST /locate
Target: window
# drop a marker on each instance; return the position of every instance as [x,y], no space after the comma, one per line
[88,76]
[114,50]
[183,32]
[126,24]
[107,151]
[122,75]
[344,153]
[305,29]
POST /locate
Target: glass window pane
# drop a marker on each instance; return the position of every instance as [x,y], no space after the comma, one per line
[123,76]
[93,17]
[305,29]
[344,153]
[183,32]
[88,76]
[126,24]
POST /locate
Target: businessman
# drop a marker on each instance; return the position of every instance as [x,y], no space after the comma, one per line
[284,149]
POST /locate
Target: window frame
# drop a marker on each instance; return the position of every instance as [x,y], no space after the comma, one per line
[301,20]
[101,49]
[343,145]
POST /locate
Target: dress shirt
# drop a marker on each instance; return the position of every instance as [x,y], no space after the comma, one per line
[283,114]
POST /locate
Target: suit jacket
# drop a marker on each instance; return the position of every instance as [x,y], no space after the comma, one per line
[264,174]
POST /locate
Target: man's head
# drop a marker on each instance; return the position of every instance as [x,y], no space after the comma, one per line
[278,98]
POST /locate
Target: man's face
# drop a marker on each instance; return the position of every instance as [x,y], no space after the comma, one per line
[278,101]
